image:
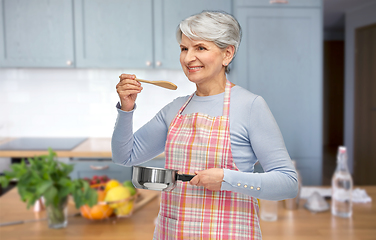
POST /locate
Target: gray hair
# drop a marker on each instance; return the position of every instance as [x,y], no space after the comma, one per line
[218,27]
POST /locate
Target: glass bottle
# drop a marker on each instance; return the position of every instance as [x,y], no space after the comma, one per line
[342,185]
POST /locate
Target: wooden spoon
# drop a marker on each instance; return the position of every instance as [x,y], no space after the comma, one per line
[164,84]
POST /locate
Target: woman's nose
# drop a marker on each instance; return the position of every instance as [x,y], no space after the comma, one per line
[189,56]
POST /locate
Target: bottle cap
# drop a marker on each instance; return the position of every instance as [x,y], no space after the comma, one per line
[342,149]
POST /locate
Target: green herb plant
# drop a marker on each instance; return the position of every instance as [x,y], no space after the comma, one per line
[44,176]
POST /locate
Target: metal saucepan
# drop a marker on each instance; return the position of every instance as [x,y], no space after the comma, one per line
[159,179]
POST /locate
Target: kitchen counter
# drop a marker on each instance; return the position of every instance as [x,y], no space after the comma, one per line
[301,224]
[139,226]
[297,224]
[91,147]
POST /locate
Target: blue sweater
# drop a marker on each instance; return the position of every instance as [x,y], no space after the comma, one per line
[254,135]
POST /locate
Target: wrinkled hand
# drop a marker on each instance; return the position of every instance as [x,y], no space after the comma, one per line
[210,178]
[127,89]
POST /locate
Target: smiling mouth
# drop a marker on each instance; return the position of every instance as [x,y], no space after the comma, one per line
[193,69]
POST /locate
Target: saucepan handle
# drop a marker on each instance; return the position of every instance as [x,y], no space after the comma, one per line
[184,177]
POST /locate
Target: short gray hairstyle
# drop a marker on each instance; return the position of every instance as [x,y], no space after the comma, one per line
[218,27]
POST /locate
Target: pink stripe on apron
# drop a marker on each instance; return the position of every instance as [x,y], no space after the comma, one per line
[197,142]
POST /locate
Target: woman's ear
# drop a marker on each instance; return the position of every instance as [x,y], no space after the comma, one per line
[228,55]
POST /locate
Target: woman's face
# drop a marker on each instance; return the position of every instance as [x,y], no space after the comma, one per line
[202,60]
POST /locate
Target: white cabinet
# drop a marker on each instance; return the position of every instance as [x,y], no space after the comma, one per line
[95,33]
[133,34]
[36,33]
[280,59]
[114,33]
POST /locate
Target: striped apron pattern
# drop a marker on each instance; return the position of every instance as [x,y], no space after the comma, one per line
[196,142]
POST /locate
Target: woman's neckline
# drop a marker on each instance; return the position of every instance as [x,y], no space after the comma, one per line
[210,97]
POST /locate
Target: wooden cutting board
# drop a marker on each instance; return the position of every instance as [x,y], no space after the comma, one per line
[144,197]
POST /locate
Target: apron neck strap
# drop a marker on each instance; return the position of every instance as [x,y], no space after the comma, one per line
[226,101]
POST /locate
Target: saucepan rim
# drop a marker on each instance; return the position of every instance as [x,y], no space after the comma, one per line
[165,176]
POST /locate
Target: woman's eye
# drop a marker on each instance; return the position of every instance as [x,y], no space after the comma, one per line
[201,48]
[183,49]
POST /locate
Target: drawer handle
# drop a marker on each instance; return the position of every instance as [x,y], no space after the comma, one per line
[279,2]
[98,167]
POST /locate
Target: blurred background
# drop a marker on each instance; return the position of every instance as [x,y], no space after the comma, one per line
[313,61]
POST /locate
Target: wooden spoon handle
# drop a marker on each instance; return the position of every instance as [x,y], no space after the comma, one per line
[144,81]
[164,84]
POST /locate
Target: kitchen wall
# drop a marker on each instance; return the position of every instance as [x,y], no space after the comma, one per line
[361,16]
[76,102]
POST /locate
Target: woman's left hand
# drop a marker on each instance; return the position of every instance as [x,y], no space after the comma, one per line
[210,178]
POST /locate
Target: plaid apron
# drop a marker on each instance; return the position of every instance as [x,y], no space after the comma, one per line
[197,142]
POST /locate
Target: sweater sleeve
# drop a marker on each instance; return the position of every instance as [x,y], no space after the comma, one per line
[146,143]
[279,180]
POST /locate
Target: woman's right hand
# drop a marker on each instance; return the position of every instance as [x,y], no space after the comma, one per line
[127,89]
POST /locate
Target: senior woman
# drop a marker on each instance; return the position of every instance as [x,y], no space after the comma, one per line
[217,134]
